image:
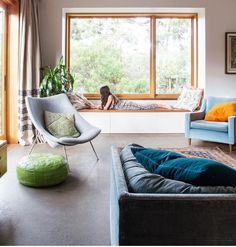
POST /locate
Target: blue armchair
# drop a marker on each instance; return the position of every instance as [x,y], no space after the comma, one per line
[196,127]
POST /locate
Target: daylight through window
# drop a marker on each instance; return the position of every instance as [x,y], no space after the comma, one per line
[137,56]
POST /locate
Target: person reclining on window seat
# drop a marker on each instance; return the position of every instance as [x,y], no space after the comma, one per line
[110,101]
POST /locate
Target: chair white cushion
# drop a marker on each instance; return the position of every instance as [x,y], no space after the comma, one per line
[209,125]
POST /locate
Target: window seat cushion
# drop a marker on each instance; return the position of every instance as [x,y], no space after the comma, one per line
[156,110]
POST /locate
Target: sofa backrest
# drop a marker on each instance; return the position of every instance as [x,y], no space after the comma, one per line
[211,101]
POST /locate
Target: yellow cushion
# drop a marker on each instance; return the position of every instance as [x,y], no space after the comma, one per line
[221,112]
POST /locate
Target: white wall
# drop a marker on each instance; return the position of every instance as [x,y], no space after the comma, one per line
[220,18]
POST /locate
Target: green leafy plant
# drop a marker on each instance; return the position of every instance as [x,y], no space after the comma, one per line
[56,80]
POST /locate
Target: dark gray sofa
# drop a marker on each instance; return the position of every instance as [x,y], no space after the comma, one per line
[169,219]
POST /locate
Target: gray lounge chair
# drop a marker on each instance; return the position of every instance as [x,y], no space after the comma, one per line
[60,104]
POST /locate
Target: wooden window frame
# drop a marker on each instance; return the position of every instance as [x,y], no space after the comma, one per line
[153,16]
[11,70]
[4,69]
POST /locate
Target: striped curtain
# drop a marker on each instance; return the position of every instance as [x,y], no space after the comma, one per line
[29,65]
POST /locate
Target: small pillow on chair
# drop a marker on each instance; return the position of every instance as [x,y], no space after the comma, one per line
[60,124]
[221,112]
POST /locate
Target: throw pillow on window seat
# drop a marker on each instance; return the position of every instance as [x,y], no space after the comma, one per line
[60,124]
[189,99]
[79,101]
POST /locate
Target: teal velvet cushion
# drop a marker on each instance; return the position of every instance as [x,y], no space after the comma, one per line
[152,158]
[198,171]
[42,170]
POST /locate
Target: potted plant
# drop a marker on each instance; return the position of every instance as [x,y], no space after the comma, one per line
[56,80]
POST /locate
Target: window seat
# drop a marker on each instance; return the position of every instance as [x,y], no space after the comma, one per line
[140,111]
[137,121]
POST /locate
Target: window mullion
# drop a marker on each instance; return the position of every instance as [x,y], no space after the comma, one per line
[153,58]
[194,49]
[68,41]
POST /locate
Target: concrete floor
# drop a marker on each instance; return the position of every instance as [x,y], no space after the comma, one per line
[77,211]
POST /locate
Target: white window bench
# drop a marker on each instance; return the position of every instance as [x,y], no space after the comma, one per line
[156,121]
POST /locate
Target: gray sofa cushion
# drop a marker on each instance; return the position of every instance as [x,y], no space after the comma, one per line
[139,180]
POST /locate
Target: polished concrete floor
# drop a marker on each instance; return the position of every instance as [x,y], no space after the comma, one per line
[77,211]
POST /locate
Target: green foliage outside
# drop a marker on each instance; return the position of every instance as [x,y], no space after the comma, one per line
[116,52]
[173,54]
[108,52]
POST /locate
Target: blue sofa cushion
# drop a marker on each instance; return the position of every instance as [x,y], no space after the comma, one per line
[209,125]
[198,171]
[211,101]
[152,158]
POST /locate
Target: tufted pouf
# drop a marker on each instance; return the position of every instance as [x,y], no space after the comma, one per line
[42,170]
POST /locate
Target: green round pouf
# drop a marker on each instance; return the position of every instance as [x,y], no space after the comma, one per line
[42,170]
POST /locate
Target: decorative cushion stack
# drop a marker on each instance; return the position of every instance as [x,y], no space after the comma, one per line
[196,171]
[140,180]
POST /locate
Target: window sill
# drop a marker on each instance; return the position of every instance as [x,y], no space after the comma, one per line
[137,97]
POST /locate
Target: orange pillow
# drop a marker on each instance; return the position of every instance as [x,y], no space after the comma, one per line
[221,112]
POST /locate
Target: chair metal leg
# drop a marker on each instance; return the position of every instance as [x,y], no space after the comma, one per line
[68,166]
[94,150]
[189,141]
[32,147]
[65,153]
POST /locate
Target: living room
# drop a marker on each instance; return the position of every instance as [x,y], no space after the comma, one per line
[133,81]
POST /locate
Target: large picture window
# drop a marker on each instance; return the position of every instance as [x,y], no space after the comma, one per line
[137,56]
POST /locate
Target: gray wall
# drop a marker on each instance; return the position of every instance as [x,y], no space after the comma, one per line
[220,18]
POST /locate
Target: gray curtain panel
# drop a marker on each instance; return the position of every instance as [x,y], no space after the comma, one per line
[29,65]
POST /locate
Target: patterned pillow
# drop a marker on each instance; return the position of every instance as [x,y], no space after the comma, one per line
[189,99]
[60,124]
[79,101]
